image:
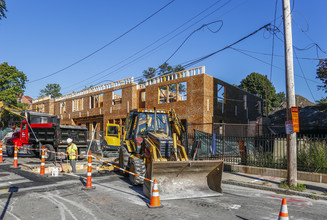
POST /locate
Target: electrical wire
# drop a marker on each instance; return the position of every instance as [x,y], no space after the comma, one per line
[152,50]
[275,55]
[101,48]
[274,65]
[306,81]
[218,51]
[161,39]
[273,42]
[203,26]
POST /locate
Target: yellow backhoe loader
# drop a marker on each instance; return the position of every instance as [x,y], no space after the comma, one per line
[151,148]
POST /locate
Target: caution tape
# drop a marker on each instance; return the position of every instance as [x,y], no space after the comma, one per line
[122,169]
[50,151]
[111,164]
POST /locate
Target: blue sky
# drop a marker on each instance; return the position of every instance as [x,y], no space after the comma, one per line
[42,37]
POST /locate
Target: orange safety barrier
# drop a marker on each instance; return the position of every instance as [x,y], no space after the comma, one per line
[15,158]
[42,169]
[1,156]
[89,173]
[155,200]
[283,214]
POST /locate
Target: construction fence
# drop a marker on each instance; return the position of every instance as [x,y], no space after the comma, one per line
[257,149]
[246,144]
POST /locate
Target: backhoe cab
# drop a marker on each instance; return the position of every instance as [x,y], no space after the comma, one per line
[111,141]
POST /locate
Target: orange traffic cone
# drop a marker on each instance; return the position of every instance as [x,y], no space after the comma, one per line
[89,173]
[15,158]
[1,156]
[42,169]
[155,200]
[283,214]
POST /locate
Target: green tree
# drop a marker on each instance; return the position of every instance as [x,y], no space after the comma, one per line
[51,89]
[12,86]
[256,83]
[322,104]
[322,74]
[281,97]
[322,101]
[3,9]
[165,69]
[12,83]
[148,74]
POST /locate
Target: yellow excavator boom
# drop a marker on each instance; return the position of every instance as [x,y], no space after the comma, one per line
[13,109]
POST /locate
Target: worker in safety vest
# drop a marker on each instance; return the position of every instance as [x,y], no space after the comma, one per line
[72,153]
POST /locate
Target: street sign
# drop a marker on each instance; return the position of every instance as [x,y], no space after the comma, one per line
[289,127]
[295,118]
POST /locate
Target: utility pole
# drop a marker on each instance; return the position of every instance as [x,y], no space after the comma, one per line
[290,93]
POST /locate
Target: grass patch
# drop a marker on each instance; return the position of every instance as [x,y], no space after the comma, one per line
[299,187]
[325,193]
[235,171]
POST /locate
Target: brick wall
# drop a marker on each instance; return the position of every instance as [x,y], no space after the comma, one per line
[203,104]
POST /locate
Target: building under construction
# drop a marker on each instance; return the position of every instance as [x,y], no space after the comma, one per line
[197,98]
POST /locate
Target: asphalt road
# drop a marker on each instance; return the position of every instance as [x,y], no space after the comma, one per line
[26,195]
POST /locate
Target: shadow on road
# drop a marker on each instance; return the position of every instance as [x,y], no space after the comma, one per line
[11,190]
[241,217]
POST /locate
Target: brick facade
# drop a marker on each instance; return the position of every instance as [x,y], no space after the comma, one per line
[195,96]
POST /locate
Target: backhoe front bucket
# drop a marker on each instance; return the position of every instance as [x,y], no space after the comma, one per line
[185,179]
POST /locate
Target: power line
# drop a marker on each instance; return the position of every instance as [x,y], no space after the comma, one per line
[304,75]
[101,48]
[269,64]
[161,39]
[203,26]
[236,42]
[275,55]
[256,58]
[273,42]
[152,50]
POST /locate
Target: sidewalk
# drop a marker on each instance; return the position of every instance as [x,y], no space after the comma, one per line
[314,190]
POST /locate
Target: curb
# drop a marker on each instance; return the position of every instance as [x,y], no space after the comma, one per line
[277,190]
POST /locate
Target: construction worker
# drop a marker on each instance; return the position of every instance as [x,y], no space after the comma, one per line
[72,152]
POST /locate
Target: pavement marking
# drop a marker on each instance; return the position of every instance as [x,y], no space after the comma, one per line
[49,196]
[259,179]
[235,206]
[78,205]
[9,212]
[292,201]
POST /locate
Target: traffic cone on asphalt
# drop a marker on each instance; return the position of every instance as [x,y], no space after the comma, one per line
[15,158]
[283,214]
[1,156]
[89,173]
[155,200]
[42,168]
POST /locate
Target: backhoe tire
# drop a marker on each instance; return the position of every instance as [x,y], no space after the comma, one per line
[49,156]
[123,159]
[137,166]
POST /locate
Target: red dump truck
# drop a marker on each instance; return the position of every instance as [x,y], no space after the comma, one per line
[38,129]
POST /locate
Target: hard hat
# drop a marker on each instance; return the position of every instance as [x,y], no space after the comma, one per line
[69,140]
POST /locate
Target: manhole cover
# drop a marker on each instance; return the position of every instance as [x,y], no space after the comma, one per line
[4,174]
